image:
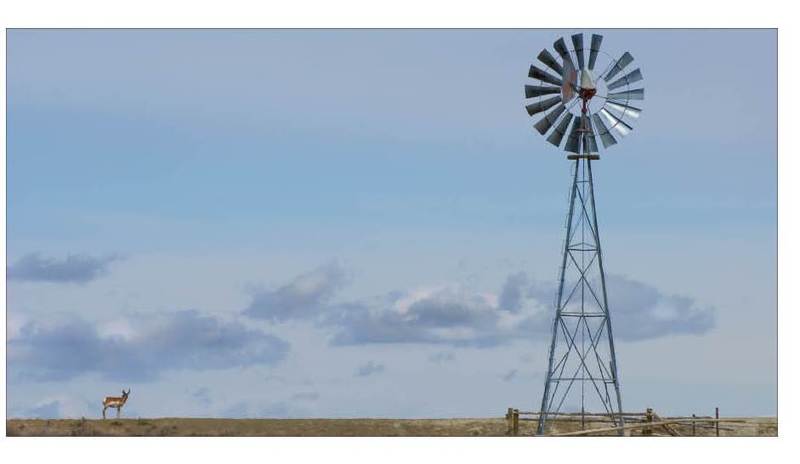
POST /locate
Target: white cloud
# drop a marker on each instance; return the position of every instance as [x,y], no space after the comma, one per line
[74,268]
[69,347]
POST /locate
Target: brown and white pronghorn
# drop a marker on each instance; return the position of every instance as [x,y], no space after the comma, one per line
[115,402]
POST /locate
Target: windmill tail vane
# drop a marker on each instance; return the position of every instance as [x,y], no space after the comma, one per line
[582,373]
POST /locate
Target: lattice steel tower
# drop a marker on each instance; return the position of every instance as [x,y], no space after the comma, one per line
[582,372]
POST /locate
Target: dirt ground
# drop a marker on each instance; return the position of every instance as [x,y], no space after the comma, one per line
[333,427]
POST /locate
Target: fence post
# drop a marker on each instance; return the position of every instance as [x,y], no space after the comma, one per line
[694,426]
[716,413]
[509,421]
[516,422]
[648,417]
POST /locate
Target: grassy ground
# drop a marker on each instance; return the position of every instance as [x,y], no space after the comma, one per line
[329,427]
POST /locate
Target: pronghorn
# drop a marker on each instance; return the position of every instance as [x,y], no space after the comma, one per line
[115,402]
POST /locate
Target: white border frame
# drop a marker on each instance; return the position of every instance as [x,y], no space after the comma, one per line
[445,14]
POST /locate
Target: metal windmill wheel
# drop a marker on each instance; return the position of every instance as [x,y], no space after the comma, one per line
[584,101]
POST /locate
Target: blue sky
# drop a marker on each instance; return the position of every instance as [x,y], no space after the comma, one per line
[208,217]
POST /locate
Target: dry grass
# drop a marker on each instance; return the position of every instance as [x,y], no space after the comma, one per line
[327,427]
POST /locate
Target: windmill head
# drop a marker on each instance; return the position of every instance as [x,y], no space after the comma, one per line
[576,100]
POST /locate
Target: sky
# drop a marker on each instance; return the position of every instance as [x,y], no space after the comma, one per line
[363,223]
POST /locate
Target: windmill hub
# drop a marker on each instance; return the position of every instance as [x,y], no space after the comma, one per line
[587,90]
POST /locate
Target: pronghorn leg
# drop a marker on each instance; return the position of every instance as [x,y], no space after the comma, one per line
[118,408]
[104,411]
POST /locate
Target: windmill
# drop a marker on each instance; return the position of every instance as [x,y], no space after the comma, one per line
[579,100]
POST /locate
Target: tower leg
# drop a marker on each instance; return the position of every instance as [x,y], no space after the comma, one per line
[553,336]
[611,349]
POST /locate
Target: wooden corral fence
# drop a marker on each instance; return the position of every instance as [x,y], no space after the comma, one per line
[648,423]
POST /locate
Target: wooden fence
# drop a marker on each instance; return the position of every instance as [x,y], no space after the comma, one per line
[648,423]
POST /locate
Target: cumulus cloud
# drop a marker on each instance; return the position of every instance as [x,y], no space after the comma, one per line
[640,312]
[301,298]
[78,269]
[457,316]
[370,368]
[523,309]
[55,407]
[181,340]
[512,296]
[448,315]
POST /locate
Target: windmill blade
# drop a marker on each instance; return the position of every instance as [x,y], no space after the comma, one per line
[625,111]
[543,76]
[561,129]
[636,94]
[539,90]
[630,78]
[619,65]
[568,86]
[547,122]
[548,59]
[597,39]
[573,141]
[577,44]
[590,140]
[563,52]
[605,136]
[615,124]
[542,105]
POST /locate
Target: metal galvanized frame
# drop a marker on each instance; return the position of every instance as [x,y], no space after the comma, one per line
[581,200]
